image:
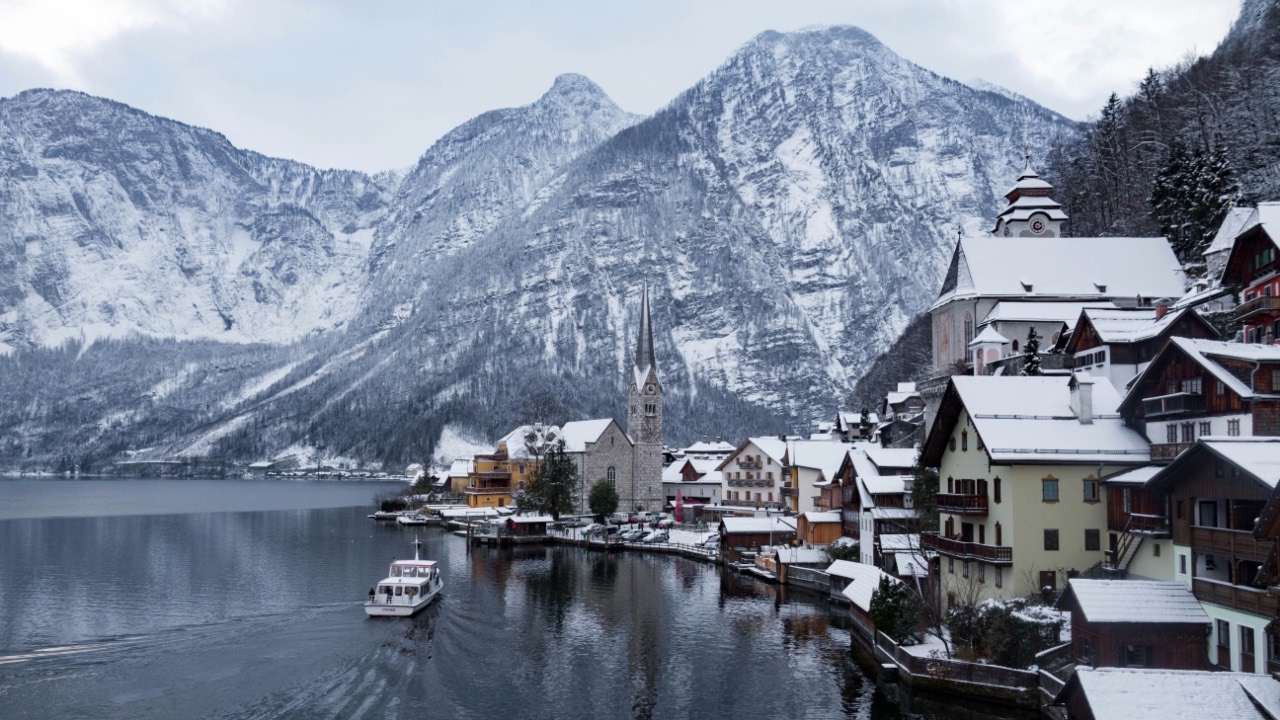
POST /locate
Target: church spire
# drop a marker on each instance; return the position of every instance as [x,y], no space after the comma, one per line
[644,341]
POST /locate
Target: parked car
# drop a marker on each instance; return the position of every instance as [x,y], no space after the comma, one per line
[711,542]
[657,536]
[630,535]
[593,529]
[611,529]
[665,524]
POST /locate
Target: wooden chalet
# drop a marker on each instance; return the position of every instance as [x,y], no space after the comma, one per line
[1135,623]
[1118,343]
[1217,490]
[819,528]
[1196,388]
[1138,530]
[1252,266]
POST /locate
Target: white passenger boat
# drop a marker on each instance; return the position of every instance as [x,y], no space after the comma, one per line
[409,586]
[413,519]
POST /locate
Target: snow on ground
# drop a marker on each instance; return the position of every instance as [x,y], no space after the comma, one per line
[453,445]
[166,387]
[309,457]
[259,385]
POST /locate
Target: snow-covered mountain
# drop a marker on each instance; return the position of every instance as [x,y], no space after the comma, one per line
[790,212]
[113,221]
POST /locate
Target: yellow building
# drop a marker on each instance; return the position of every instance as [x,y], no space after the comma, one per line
[1020,502]
[497,476]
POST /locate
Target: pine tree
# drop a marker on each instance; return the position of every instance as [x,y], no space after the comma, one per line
[550,491]
[894,610]
[864,423]
[1190,196]
[1031,355]
[603,500]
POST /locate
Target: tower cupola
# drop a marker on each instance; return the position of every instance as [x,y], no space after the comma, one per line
[1031,211]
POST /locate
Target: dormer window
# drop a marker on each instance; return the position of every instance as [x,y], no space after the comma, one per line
[1026,286]
[1102,287]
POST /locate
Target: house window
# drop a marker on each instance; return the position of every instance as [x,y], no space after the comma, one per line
[1127,498]
[1049,489]
[1192,385]
[1233,428]
[964,568]
[1222,388]
[611,475]
[1273,649]
[1188,432]
[1171,433]
[1246,643]
[951,485]
[951,565]
[982,534]
[982,573]
[1050,539]
[952,445]
[1224,634]
[1275,380]
[999,535]
[968,330]
[999,576]
[1092,541]
[1155,549]
[1090,491]
[964,441]
[1182,564]
[1206,429]
[1136,656]
[997,490]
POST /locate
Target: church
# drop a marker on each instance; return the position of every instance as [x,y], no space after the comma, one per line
[630,459]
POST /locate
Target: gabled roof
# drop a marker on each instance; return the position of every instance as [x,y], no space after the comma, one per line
[1029,420]
[825,456]
[519,440]
[889,459]
[864,580]
[1257,458]
[1137,476]
[1068,268]
[989,335]
[774,447]
[846,420]
[1131,325]
[578,433]
[1206,354]
[744,525]
[1048,312]
[1236,222]
[1131,693]
[1263,221]
[823,516]
[704,447]
[1134,601]
[462,468]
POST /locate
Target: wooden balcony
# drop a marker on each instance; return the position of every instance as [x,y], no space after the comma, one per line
[1238,597]
[961,504]
[748,464]
[787,491]
[1173,404]
[1166,452]
[1239,544]
[1260,309]
[994,554]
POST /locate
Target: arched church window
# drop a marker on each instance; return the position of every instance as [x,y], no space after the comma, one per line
[611,474]
[1015,346]
[968,329]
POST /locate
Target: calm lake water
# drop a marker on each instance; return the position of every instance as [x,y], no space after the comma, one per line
[177,599]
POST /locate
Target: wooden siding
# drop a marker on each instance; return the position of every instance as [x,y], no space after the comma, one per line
[1141,501]
[1199,481]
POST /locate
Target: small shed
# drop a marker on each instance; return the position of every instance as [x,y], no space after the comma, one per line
[755,532]
[863,581]
[1136,623]
[819,528]
[1130,694]
[528,528]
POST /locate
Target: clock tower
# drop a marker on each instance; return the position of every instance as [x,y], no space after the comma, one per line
[644,419]
[1031,212]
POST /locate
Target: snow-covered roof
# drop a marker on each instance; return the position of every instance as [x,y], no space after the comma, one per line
[467,512]
[703,447]
[898,541]
[1136,601]
[884,484]
[826,456]
[744,525]
[1133,476]
[530,519]
[775,448]
[828,516]
[847,419]
[1236,222]
[578,433]
[1067,267]
[911,563]
[1029,419]
[989,335]
[799,556]
[893,513]
[1260,456]
[1130,693]
[1131,324]
[1050,312]
[519,440]
[462,468]
[864,580]
[890,458]
[1205,353]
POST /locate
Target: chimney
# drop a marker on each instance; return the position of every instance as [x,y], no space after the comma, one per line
[704,438]
[1162,307]
[1082,397]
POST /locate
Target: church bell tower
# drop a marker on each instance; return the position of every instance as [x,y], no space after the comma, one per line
[1031,212]
[644,418]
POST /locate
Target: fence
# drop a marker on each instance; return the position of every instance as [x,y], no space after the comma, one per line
[811,578]
[1003,684]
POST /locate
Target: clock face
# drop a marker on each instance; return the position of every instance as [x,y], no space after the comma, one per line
[1037,225]
[650,389]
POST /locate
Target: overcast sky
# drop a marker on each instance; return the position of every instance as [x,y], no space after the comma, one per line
[370,84]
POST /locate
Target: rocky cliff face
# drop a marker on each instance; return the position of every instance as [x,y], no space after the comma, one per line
[790,212]
[113,221]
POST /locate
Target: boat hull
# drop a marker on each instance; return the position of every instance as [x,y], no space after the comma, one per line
[378,609]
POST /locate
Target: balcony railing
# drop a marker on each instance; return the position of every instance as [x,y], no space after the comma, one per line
[1238,597]
[994,554]
[962,504]
[787,491]
[1258,309]
[749,464]
[1239,544]
[1167,451]
[1173,404]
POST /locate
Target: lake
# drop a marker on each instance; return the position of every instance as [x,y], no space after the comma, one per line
[241,599]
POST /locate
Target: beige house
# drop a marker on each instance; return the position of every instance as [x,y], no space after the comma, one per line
[1020,501]
[753,474]
[813,464]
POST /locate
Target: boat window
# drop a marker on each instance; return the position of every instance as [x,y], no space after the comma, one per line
[399,590]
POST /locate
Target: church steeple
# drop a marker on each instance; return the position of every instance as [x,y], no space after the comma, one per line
[1031,212]
[644,340]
